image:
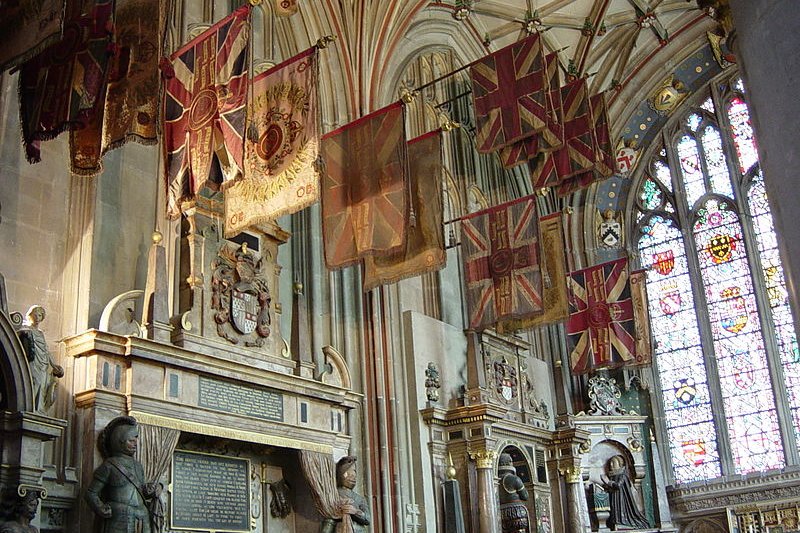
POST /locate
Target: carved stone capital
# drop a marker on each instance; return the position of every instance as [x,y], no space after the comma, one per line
[572,474]
[483,458]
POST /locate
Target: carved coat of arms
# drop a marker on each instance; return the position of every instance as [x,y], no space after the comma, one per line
[505,378]
[240,297]
[609,228]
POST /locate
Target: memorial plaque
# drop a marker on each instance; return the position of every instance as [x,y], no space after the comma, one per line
[240,400]
[210,492]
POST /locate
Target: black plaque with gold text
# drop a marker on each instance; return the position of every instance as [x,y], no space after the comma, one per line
[240,400]
[210,492]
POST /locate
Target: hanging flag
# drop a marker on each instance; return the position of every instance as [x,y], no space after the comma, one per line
[365,188]
[509,93]
[519,152]
[543,171]
[281,146]
[424,250]
[604,165]
[555,301]
[204,113]
[641,313]
[131,101]
[552,136]
[501,263]
[26,28]
[286,8]
[601,326]
[577,155]
[63,87]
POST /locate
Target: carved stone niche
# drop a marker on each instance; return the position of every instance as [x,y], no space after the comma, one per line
[611,436]
[229,295]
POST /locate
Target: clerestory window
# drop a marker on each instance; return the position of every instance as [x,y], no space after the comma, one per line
[726,355]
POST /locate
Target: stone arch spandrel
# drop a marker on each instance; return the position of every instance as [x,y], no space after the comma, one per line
[15,376]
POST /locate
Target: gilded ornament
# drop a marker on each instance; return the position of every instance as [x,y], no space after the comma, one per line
[483,458]
[572,474]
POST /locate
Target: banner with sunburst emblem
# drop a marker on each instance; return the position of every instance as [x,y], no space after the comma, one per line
[281,146]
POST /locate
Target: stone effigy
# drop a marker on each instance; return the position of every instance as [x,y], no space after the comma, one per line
[44,369]
[354,506]
[624,510]
[513,511]
[118,493]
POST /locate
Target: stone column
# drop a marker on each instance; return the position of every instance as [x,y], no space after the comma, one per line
[576,500]
[487,511]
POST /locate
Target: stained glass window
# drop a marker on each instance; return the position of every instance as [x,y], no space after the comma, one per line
[684,389]
[702,284]
[693,179]
[777,296]
[738,343]
[742,130]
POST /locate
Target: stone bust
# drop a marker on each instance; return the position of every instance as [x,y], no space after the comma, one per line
[24,511]
[118,493]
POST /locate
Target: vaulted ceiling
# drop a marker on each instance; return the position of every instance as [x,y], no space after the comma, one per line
[611,41]
[605,39]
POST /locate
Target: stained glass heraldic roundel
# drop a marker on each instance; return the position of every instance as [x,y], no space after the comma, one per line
[726,350]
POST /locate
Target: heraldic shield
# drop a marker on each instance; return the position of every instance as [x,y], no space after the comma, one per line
[240,296]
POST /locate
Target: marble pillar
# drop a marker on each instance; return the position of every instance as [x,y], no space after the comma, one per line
[576,510]
[487,510]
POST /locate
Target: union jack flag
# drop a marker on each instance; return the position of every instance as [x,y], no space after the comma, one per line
[501,264]
[601,146]
[552,135]
[509,91]
[577,155]
[364,189]
[601,326]
[206,92]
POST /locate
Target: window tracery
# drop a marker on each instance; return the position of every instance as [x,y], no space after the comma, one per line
[727,358]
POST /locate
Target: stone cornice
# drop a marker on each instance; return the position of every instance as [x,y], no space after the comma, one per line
[95,342]
[705,497]
[463,415]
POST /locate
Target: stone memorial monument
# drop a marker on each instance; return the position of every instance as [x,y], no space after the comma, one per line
[624,513]
[22,514]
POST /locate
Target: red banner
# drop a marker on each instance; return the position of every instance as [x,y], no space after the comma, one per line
[206,92]
[424,250]
[500,250]
[601,328]
[63,87]
[132,96]
[603,151]
[509,92]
